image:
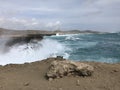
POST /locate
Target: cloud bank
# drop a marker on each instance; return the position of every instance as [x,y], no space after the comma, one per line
[101,15]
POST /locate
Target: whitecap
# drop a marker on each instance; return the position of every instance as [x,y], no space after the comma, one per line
[32,52]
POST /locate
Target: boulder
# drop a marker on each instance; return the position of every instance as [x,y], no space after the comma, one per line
[61,68]
[23,39]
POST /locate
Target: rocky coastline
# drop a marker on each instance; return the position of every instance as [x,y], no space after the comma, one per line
[26,36]
[55,73]
[32,76]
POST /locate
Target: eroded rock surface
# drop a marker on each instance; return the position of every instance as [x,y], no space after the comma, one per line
[61,68]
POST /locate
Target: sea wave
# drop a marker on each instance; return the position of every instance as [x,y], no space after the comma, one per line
[33,51]
[104,47]
[88,47]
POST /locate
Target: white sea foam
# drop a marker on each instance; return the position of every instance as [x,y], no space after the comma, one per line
[72,38]
[33,51]
[63,35]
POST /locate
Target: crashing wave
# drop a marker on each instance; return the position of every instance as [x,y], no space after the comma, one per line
[33,51]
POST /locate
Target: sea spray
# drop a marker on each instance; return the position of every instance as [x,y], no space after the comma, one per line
[81,47]
[30,52]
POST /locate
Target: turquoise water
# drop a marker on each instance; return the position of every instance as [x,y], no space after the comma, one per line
[91,47]
[80,47]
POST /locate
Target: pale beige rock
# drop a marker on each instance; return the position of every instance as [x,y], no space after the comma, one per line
[61,68]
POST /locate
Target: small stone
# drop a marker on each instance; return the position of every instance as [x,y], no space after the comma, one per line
[59,57]
[85,88]
[115,70]
[50,79]
[78,83]
[0,86]
[53,88]
[26,84]
[60,89]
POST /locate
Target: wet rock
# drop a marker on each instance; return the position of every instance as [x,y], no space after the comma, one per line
[61,68]
[24,39]
[59,57]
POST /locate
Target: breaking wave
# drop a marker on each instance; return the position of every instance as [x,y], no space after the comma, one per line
[33,51]
[82,47]
[104,47]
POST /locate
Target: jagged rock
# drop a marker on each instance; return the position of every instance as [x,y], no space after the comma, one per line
[61,68]
[24,39]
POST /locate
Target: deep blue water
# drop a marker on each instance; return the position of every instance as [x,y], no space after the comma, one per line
[91,47]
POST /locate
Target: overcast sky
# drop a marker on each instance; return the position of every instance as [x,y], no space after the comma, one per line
[101,15]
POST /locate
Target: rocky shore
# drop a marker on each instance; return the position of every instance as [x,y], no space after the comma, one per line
[55,73]
[32,76]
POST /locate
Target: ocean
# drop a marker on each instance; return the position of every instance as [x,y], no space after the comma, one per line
[79,47]
[91,47]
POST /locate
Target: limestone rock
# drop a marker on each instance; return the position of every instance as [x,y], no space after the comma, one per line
[61,68]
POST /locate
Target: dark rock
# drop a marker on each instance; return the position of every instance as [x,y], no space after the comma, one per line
[24,39]
[59,57]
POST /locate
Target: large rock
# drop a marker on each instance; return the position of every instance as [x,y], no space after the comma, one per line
[61,68]
[23,39]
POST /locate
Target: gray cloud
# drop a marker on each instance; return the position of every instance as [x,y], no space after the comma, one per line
[102,15]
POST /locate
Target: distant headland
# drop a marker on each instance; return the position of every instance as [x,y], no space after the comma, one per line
[26,36]
[42,32]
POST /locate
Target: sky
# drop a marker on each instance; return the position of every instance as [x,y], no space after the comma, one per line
[97,15]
